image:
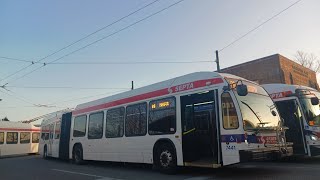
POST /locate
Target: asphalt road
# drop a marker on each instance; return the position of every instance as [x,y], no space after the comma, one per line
[36,168]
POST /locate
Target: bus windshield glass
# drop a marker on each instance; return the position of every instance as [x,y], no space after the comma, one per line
[256,107]
[311,112]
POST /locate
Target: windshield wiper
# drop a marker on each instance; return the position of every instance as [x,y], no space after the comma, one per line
[253,112]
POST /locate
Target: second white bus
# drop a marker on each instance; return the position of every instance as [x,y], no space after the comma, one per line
[18,138]
[300,110]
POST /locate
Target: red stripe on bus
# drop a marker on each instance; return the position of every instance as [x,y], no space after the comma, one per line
[17,129]
[161,92]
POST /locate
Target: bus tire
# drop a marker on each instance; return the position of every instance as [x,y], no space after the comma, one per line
[77,154]
[165,159]
[45,152]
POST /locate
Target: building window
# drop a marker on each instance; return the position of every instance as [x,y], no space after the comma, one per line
[162,116]
[136,120]
[95,127]
[114,125]
[1,137]
[57,130]
[12,138]
[24,138]
[80,124]
[35,137]
[229,112]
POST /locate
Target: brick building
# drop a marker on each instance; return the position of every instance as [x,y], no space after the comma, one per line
[274,69]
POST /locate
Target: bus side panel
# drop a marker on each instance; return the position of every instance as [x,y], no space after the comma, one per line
[65,136]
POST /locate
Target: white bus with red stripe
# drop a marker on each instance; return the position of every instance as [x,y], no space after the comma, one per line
[203,119]
[18,138]
[299,108]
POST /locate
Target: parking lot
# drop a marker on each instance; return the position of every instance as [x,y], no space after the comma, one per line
[34,167]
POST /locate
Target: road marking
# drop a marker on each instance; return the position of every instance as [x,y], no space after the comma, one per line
[199,178]
[279,166]
[78,173]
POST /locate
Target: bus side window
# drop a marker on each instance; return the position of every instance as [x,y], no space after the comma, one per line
[1,137]
[80,125]
[24,138]
[95,126]
[12,138]
[136,120]
[162,116]
[229,113]
[45,132]
[114,124]
[35,137]
[57,130]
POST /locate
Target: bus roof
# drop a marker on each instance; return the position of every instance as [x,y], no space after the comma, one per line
[53,117]
[277,91]
[174,85]
[17,126]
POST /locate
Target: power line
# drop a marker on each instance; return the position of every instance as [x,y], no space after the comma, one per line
[124,62]
[15,59]
[17,97]
[108,36]
[255,28]
[133,62]
[61,87]
[79,40]
[86,97]
[15,107]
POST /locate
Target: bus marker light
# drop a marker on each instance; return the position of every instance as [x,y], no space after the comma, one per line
[311,123]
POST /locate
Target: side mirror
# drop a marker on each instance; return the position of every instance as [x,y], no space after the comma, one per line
[314,101]
[226,88]
[242,89]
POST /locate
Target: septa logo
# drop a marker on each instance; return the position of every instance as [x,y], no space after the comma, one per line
[280,94]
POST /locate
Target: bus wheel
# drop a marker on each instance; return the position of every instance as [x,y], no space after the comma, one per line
[166,159]
[45,153]
[78,155]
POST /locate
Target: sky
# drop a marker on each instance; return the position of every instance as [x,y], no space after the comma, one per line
[189,31]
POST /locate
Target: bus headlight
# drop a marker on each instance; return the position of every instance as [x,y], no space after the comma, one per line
[313,137]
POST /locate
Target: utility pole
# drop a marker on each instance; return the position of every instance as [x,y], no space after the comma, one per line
[132,85]
[217,61]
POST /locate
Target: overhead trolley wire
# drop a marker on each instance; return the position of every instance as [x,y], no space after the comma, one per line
[255,28]
[17,97]
[15,59]
[77,41]
[61,87]
[103,38]
[132,62]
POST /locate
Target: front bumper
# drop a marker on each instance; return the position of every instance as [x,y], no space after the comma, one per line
[265,154]
[315,150]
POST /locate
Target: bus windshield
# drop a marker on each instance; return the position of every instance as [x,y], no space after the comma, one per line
[256,108]
[311,112]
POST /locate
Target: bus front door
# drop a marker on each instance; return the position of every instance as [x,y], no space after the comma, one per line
[290,112]
[199,138]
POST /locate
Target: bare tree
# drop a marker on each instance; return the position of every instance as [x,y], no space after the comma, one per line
[308,60]
[5,119]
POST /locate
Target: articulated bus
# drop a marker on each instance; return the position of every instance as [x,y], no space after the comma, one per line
[203,119]
[299,108]
[18,138]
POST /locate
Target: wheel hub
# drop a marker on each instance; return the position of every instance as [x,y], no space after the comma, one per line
[165,158]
